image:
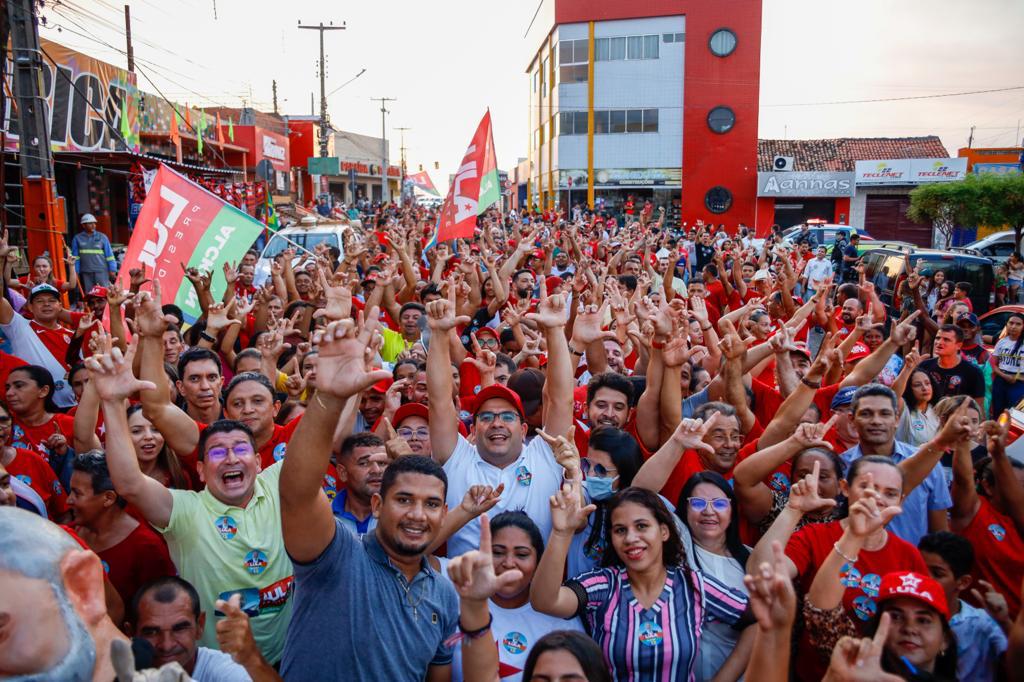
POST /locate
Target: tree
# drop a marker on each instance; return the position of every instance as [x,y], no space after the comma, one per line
[1002,202]
[947,205]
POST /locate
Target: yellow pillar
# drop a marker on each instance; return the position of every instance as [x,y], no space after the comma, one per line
[552,183]
[590,115]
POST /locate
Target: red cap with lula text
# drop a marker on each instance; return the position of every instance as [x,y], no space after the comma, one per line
[912,585]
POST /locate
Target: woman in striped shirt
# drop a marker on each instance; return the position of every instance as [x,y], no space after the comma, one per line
[646,608]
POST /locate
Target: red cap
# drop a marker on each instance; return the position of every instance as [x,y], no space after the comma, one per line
[801,347]
[382,386]
[552,282]
[499,391]
[97,291]
[410,410]
[380,257]
[539,253]
[858,351]
[912,585]
[487,330]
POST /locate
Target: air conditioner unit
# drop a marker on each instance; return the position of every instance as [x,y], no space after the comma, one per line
[782,163]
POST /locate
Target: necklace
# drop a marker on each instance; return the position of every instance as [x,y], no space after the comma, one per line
[407,588]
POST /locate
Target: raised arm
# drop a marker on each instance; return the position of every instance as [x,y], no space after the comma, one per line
[773,603]
[956,432]
[1002,469]
[444,420]
[867,369]
[547,594]
[86,417]
[688,435]
[112,379]
[306,518]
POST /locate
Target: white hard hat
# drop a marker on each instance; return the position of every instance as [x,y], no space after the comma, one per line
[88,218]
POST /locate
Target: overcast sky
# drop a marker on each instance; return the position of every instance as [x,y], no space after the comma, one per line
[446,67]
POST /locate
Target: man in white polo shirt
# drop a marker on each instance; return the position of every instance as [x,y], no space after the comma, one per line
[530,474]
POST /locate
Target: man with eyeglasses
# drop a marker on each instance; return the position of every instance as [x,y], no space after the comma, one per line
[412,423]
[497,456]
[361,462]
[224,540]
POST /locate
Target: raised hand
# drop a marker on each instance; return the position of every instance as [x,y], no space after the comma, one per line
[803,495]
[993,601]
[771,594]
[905,332]
[149,317]
[865,517]
[677,351]
[866,321]
[395,445]
[111,374]
[234,635]
[441,315]
[958,427]
[480,499]
[588,325]
[860,660]
[217,318]
[230,272]
[338,295]
[567,514]
[647,310]
[295,385]
[689,434]
[473,574]
[564,449]
[550,311]
[812,435]
[341,365]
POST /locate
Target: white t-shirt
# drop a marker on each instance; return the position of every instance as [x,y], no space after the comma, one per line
[816,270]
[917,428]
[516,631]
[1009,362]
[529,481]
[217,666]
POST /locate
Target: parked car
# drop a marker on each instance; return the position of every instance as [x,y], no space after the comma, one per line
[998,246]
[886,268]
[824,233]
[307,234]
[993,321]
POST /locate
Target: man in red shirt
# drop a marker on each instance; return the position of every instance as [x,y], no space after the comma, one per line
[44,303]
[132,553]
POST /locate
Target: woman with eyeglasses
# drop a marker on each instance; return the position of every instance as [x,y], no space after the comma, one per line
[707,507]
[647,607]
[613,458]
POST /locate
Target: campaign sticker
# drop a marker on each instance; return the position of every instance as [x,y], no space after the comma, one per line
[780,482]
[24,478]
[523,475]
[514,643]
[279,450]
[330,486]
[226,526]
[998,532]
[255,562]
[849,576]
[864,607]
[106,566]
[650,634]
[870,584]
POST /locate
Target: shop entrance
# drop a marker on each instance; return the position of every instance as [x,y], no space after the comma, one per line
[790,212]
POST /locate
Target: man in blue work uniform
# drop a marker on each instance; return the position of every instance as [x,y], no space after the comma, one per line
[95,262]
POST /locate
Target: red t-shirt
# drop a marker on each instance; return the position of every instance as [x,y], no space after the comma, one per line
[76,319]
[34,437]
[768,400]
[811,545]
[56,340]
[32,470]
[133,562]
[998,553]
[717,295]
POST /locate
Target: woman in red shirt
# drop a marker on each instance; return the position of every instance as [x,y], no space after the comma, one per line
[42,273]
[37,424]
[31,469]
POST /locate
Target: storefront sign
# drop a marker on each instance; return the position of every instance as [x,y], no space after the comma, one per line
[84,99]
[271,148]
[997,168]
[909,171]
[323,165]
[622,177]
[804,184]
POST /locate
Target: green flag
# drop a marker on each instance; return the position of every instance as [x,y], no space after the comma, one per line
[126,128]
[200,130]
[231,130]
[490,185]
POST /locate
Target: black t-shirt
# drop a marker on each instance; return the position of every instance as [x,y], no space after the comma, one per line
[964,379]
[705,255]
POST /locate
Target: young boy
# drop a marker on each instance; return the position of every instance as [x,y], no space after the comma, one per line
[980,639]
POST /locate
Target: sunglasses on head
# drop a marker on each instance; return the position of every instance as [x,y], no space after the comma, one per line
[699,504]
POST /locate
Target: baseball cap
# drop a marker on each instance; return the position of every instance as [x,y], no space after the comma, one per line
[97,291]
[908,584]
[43,289]
[551,282]
[502,392]
[858,352]
[759,275]
[382,386]
[410,410]
[490,331]
[970,318]
[843,397]
[802,349]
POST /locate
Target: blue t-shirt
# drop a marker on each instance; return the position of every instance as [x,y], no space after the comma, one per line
[979,643]
[355,617]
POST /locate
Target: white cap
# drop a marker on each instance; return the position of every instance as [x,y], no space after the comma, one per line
[88,218]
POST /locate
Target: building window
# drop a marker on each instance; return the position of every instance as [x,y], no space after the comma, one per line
[572,123]
[600,122]
[634,120]
[572,60]
[628,47]
[673,38]
[650,47]
[579,122]
[722,42]
[718,199]
[721,119]
[650,120]
[615,121]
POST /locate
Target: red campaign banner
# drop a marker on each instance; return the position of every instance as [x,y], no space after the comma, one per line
[458,215]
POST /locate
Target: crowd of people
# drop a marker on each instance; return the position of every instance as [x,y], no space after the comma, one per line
[566,448]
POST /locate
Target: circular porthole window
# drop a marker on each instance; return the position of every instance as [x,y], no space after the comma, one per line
[721,119]
[722,42]
[718,199]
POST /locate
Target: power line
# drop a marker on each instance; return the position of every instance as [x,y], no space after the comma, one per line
[897,99]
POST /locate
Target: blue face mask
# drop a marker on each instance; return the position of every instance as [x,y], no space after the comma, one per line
[600,487]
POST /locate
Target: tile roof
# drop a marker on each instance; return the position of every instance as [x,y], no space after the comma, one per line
[839,154]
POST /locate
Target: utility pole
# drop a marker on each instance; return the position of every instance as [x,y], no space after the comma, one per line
[128,37]
[273,87]
[384,194]
[323,75]
[970,138]
[401,148]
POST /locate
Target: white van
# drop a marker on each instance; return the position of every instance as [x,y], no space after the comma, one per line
[307,234]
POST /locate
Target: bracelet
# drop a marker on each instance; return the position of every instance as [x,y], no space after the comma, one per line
[835,546]
[810,384]
[474,634]
[204,335]
[573,350]
[319,402]
[706,328]
[657,345]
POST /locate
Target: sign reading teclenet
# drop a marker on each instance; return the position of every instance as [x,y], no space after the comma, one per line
[805,184]
[182,225]
[910,171]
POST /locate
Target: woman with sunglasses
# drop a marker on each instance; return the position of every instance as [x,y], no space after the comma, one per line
[647,607]
[707,507]
[613,458]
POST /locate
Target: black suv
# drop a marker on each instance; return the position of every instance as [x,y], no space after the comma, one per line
[886,268]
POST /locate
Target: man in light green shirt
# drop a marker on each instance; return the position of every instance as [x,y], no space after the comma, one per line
[409,323]
[226,539]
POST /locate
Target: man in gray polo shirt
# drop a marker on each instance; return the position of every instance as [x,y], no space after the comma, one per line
[375,595]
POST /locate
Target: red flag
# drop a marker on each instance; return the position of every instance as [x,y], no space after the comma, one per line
[458,215]
[220,130]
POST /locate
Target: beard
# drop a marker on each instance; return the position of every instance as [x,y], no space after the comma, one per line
[524,293]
